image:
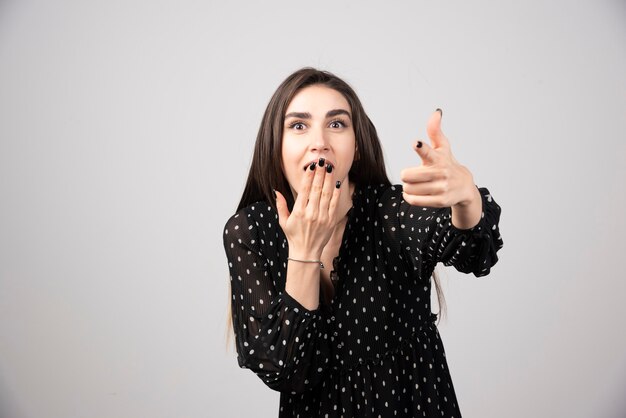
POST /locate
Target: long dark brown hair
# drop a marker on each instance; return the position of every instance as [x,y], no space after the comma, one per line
[266,171]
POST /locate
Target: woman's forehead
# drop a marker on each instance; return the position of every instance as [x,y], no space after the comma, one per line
[317,100]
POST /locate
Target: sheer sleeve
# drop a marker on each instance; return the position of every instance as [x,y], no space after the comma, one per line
[471,250]
[429,237]
[283,343]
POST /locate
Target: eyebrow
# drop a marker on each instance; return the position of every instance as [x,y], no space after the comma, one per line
[307,115]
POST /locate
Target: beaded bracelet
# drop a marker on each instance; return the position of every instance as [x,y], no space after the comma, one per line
[307,261]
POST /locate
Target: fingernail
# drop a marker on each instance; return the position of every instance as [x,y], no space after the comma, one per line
[329,168]
[419,144]
[312,166]
[440,112]
[274,190]
[338,184]
[322,161]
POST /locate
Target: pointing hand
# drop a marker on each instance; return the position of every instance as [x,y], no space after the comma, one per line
[440,181]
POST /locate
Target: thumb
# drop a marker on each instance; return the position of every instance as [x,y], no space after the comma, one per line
[281,208]
[437,138]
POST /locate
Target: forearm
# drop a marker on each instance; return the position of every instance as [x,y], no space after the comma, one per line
[466,214]
[303,283]
[284,347]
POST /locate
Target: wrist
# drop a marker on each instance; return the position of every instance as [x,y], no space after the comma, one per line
[304,254]
[467,214]
[473,196]
[312,262]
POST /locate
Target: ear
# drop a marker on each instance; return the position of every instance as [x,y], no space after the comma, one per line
[357,156]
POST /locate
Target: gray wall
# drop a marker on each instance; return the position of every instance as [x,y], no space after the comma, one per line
[126,130]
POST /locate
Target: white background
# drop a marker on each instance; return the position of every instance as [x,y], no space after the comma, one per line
[126,132]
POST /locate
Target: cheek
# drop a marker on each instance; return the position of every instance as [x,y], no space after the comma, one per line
[289,156]
[289,148]
[348,152]
[290,159]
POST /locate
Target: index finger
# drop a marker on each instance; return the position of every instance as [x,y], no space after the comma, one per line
[425,153]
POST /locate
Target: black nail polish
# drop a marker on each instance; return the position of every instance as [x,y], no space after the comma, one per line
[274,190]
[440,111]
[312,166]
[322,161]
[329,168]
[419,144]
[338,184]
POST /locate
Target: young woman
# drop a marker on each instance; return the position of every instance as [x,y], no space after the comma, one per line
[331,265]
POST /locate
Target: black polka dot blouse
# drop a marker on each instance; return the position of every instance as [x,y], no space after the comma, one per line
[374,349]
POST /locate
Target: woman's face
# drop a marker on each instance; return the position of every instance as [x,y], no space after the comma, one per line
[318,123]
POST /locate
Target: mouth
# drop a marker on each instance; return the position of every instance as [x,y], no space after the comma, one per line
[316,161]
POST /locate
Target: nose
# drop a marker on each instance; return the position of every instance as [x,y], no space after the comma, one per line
[319,141]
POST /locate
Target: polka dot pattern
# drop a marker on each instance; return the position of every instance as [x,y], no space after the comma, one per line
[373,350]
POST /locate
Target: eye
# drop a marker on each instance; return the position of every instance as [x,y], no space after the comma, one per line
[337,124]
[298,126]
